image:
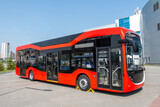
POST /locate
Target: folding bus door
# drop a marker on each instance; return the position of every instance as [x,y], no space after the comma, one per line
[109,73]
[103,67]
[52,66]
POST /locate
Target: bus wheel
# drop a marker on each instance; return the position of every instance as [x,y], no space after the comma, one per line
[31,75]
[84,83]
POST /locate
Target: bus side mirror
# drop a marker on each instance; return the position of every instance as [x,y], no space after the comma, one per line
[134,44]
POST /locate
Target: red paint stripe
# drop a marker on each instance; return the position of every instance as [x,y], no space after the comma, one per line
[156,102]
[18,85]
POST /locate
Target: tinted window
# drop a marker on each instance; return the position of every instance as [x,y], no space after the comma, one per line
[82,60]
[158,26]
[18,59]
[156,6]
[30,57]
[41,63]
[65,62]
[116,67]
[103,42]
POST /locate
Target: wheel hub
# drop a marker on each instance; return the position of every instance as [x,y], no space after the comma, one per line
[31,76]
[83,83]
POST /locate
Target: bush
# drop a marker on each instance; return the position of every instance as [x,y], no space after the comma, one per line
[10,64]
[13,65]
[1,65]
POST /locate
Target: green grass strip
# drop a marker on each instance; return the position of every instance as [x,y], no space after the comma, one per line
[5,71]
[152,65]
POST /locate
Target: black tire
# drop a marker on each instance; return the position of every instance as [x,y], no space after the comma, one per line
[84,83]
[31,75]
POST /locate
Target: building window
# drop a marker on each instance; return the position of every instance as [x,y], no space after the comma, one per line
[138,32]
[158,26]
[124,22]
[156,6]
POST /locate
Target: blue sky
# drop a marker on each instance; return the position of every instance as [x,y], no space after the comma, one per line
[28,21]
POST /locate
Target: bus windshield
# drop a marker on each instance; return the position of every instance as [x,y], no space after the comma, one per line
[134,59]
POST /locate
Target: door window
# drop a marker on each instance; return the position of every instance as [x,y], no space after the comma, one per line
[116,67]
[103,67]
[109,68]
[52,66]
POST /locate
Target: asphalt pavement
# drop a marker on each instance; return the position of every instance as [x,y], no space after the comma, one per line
[18,92]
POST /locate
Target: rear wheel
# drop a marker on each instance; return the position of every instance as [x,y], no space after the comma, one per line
[31,75]
[84,83]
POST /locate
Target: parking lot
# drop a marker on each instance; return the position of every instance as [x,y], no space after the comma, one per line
[17,92]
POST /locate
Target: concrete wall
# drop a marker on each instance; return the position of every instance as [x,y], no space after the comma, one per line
[149,32]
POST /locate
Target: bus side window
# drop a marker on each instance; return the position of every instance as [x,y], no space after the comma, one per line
[76,60]
[18,59]
[65,62]
[41,63]
[32,58]
[103,42]
[82,60]
[87,63]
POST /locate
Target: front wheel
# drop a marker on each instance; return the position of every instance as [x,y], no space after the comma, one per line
[31,75]
[84,83]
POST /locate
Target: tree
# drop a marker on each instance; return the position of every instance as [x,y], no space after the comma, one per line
[1,65]
[10,64]
[13,65]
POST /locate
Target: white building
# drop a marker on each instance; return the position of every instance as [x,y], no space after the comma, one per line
[101,27]
[5,50]
[130,22]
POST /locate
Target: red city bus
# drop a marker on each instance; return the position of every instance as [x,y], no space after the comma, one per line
[105,59]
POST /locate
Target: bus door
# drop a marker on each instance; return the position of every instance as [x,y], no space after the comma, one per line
[23,66]
[109,73]
[52,66]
